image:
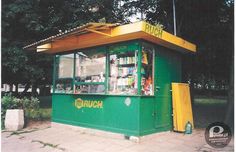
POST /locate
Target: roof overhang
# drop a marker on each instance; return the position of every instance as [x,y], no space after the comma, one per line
[95,34]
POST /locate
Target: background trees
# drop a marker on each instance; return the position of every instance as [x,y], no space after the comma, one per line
[207,23]
[24,22]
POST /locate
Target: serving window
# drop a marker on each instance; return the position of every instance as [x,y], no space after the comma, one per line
[123,70]
[90,70]
[123,76]
[147,70]
[64,73]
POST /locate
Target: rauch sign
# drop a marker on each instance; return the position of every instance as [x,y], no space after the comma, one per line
[79,103]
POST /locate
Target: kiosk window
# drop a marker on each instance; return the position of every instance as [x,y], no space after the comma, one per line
[147,71]
[64,73]
[123,73]
[93,71]
[90,72]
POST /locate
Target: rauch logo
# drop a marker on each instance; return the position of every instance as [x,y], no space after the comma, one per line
[79,103]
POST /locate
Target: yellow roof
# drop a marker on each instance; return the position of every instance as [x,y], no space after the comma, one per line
[95,34]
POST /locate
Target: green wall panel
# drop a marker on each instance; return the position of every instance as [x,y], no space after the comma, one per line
[147,115]
[144,115]
[114,116]
[167,70]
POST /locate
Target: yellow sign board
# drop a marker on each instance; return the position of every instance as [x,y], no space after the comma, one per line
[79,103]
[153,30]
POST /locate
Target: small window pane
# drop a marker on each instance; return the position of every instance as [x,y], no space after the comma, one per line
[90,68]
[123,73]
[91,88]
[90,72]
[64,73]
[66,63]
[147,71]
[64,86]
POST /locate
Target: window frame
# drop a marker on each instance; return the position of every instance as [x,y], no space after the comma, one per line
[134,45]
[102,50]
[56,73]
[136,52]
[153,49]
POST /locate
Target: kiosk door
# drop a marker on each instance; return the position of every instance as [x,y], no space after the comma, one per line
[163,117]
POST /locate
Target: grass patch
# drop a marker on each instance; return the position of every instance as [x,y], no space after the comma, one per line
[210,101]
[39,114]
[207,110]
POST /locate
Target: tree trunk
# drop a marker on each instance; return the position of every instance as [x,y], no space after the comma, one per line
[179,26]
[34,89]
[27,86]
[230,104]
[11,87]
[191,87]
[16,88]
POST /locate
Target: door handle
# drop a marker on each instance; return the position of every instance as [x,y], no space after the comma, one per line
[154,113]
[158,88]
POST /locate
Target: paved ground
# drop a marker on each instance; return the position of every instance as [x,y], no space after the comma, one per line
[51,139]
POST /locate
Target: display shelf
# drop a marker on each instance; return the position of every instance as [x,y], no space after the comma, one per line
[127,54]
[145,65]
[146,73]
[126,65]
[89,83]
[125,76]
[89,88]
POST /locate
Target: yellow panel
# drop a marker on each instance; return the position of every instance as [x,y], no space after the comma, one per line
[159,34]
[182,108]
[110,33]
[44,47]
[127,29]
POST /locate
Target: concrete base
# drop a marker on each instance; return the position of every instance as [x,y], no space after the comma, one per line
[14,119]
[105,134]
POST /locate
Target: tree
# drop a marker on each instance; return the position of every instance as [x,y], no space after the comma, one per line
[203,22]
[24,22]
[207,23]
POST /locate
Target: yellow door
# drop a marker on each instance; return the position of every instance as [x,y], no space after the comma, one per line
[182,108]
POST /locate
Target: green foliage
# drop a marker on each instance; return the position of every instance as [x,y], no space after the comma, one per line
[210,101]
[210,27]
[14,63]
[38,114]
[30,103]
[24,22]
[209,24]
[11,102]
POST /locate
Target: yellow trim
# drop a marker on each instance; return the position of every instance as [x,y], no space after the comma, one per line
[44,47]
[155,35]
[172,39]
[127,29]
[98,32]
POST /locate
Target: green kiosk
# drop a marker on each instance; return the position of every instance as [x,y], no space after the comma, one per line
[115,77]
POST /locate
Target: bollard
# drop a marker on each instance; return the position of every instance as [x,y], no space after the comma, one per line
[14,119]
